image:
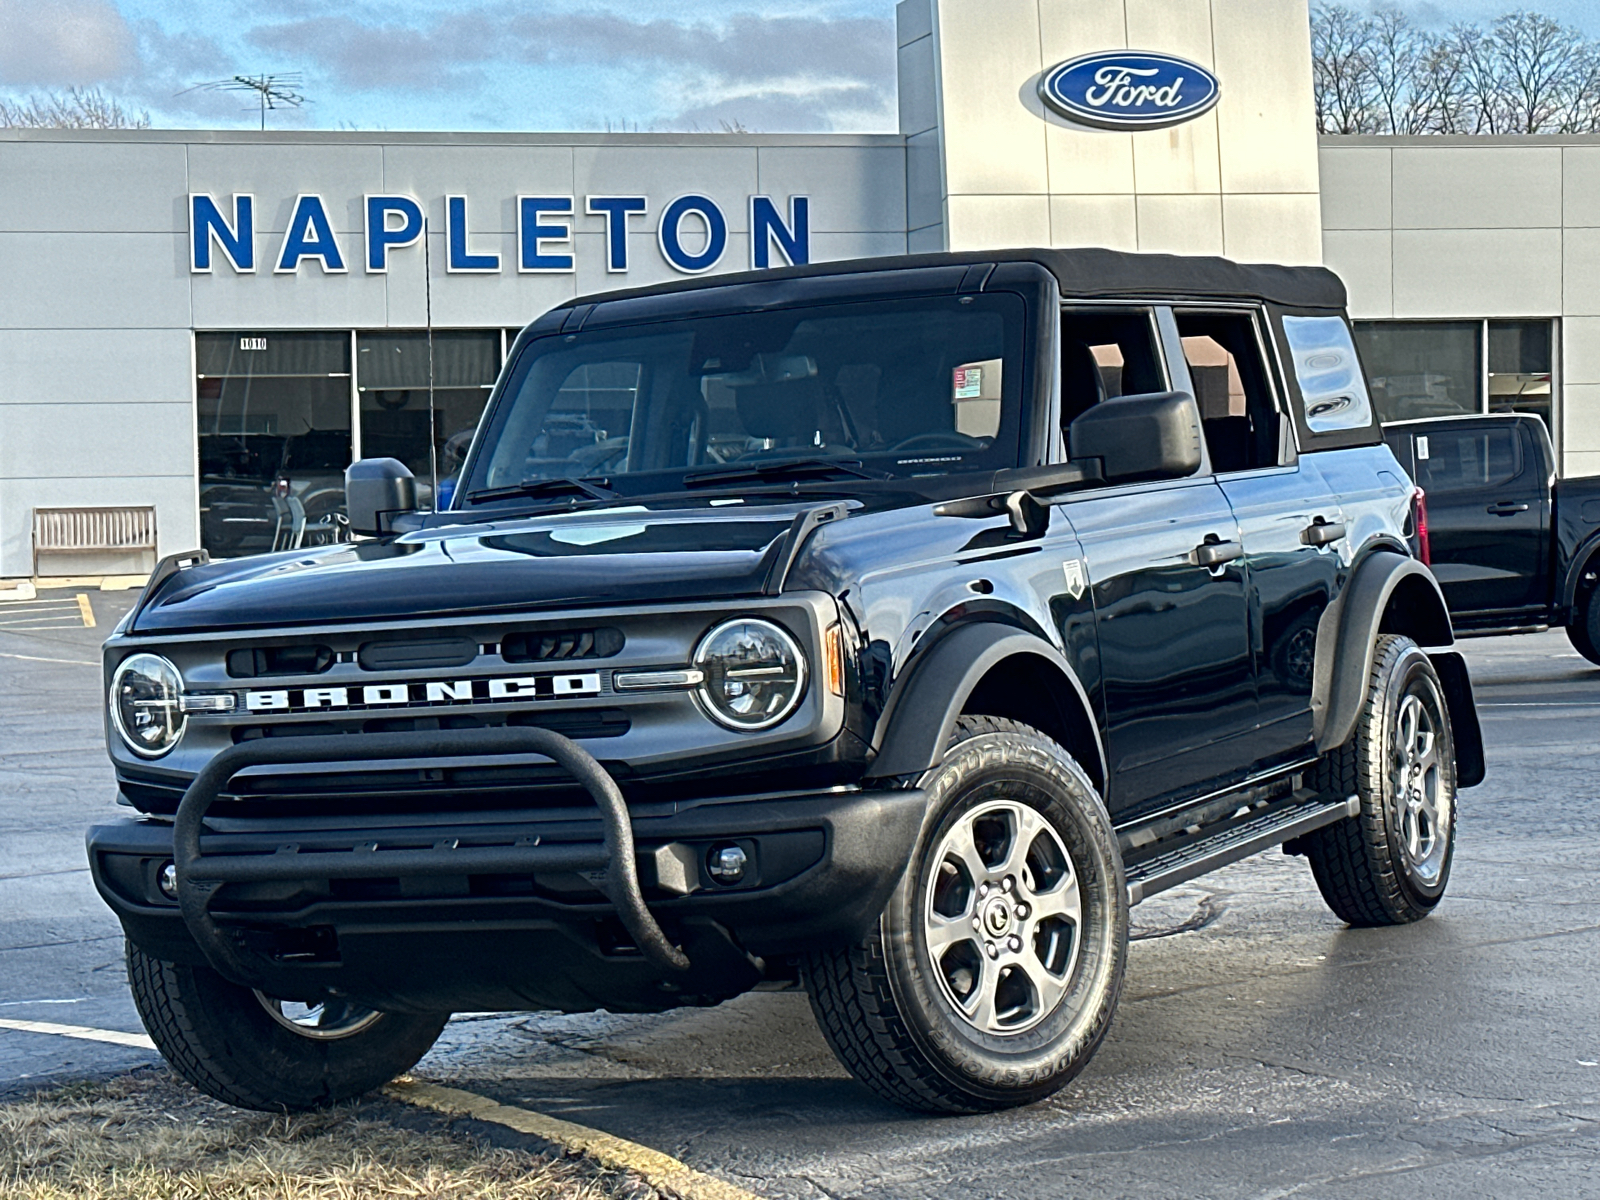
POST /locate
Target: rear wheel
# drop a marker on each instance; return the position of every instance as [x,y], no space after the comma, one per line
[1389,864]
[1583,630]
[995,969]
[256,1051]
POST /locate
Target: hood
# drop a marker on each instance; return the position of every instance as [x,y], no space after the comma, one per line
[616,556]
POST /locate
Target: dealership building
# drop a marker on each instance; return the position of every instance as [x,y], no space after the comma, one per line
[198,330]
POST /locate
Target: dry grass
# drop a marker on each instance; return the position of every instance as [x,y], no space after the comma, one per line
[145,1137]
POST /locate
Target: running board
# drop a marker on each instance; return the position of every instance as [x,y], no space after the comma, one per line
[1249,837]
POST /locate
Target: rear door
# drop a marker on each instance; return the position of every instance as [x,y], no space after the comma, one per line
[1488,504]
[1177,690]
[1290,521]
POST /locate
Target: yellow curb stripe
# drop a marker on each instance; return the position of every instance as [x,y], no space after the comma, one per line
[661,1171]
[86,611]
[115,1037]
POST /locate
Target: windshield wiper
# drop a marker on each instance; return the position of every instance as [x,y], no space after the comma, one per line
[790,468]
[537,489]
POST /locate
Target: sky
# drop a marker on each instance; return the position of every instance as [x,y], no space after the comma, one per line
[646,65]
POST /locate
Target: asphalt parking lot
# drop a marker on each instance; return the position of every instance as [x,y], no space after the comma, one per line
[1262,1048]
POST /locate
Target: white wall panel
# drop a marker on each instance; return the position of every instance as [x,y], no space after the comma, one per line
[1580,350]
[1273,229]
[852,189]
[1582,426]
[1108,221]
[998,222]
[988,55]
[1180,224]
[1477,272]
[307,300]
[1265,118]
[44,441]
[1496,187]
[93,281]
[94,366]
[1580,186]
[93,187]
[1581,271]
[1356,187]
[1364,259]
[918,90]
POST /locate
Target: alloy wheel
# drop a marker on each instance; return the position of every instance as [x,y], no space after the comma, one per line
[1002,916]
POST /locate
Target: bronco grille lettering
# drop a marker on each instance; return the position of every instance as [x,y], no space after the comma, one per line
[424,692]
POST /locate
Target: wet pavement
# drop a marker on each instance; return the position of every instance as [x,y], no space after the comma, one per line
[1262,1048]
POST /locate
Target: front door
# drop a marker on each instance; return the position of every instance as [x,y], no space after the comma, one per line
[1175,669]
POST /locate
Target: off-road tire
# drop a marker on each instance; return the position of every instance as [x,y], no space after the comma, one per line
[1359,864]
[879,1006]
[1583,630]
[220,1038]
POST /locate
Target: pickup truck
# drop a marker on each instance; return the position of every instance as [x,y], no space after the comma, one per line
[1515,549]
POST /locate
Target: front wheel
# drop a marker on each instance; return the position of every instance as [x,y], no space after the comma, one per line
[254,1051]
[1389,864]
[994,971]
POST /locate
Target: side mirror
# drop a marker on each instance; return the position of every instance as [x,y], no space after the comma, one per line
[1152,436]
[376,491]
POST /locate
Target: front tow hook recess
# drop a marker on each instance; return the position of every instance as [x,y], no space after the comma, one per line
[201,877]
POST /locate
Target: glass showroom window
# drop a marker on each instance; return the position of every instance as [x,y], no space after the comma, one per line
[1521,368]
[397,418]
[273,415]
[1423,368]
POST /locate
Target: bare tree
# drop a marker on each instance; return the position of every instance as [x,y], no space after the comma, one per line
[1341,58]
[76,108]
[1538,58]
[1381,74]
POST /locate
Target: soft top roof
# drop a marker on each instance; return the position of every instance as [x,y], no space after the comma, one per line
[1085,273]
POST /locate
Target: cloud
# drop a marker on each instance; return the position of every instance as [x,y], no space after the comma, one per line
[797,72]
[64,43]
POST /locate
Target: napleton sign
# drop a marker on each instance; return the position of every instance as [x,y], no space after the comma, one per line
[692,234]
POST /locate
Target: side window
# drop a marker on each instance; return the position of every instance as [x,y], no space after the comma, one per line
[1461,460]
[1232,386]
[1105,354]
[1329,374]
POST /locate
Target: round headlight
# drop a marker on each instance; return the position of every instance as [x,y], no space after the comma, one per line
[146,704]
[754,673]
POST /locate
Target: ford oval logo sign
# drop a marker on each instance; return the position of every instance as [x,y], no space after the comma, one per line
[1129,89]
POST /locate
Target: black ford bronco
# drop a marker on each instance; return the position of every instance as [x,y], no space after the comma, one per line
[883,628]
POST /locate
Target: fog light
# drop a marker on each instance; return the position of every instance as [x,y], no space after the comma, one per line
[727,863]
[168,881]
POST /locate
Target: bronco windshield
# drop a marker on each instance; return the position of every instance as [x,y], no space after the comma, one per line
[884,389]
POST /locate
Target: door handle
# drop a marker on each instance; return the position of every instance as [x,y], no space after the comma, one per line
[1321,533]
[1506,508]
[1214,554]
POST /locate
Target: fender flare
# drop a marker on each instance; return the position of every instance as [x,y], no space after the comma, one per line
[921,715]
[1581,557]
[1347,638]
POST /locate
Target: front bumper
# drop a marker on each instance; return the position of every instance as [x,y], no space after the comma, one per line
[391,927]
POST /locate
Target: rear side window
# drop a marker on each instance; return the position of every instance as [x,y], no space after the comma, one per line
[1467,459]
[1332,388]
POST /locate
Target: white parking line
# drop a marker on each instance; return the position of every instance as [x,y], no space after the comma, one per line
[135,1041]
[71,662]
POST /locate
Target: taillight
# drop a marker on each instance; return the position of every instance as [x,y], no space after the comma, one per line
[1419,522]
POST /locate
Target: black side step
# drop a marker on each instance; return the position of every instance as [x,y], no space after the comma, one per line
[1248,837]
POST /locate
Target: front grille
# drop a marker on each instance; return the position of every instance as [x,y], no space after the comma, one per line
[560,645]
[572,722]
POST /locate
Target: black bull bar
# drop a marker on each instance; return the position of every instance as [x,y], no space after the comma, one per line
[201,876]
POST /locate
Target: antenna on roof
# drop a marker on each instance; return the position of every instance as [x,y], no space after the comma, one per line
[272,91]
